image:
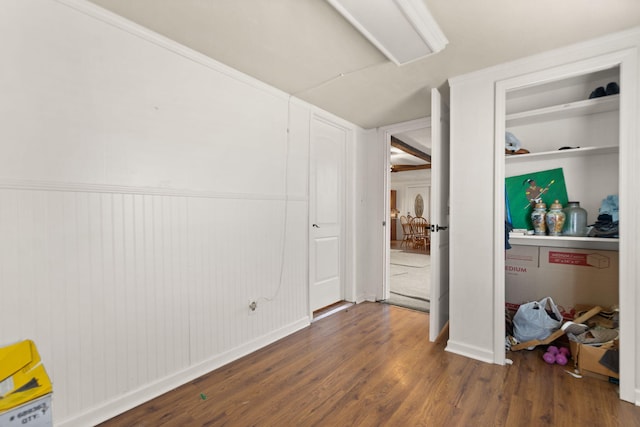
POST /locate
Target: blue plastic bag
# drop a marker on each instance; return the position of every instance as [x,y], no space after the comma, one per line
[536,320]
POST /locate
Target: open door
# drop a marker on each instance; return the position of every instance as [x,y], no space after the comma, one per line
[439,215]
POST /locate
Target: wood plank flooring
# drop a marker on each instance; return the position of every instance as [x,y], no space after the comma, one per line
[373,365]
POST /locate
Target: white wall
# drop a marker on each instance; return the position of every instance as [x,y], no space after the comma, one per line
[142,194]
[369,197]
[474,270]
[470,262]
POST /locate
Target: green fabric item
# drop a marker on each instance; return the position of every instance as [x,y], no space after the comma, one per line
[523,190]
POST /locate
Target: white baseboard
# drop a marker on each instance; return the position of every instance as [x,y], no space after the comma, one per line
[470,351]
[368,298]
[137,397]
[362,298]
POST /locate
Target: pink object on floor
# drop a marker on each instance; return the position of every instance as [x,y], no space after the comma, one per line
[550,358]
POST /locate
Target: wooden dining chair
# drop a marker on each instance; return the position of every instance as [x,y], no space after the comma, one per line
[420,233]
[407,238]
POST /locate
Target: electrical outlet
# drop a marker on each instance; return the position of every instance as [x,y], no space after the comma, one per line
[253,306]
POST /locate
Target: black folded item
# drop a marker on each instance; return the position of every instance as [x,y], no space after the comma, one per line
[612,89]
[598,92]
[604,227]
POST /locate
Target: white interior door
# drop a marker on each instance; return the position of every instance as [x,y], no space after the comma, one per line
[326,212]
[439,215]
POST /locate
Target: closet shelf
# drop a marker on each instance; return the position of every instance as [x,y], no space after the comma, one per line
[574,152]
[595,243]
[573,109]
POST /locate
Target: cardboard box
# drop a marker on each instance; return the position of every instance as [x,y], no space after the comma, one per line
[35,413]
[22,375]
[567,275]
[521,275]
[586,359]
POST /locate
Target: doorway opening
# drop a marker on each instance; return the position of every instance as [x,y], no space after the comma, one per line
[409,184]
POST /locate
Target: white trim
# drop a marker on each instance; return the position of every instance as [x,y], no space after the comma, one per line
[385,292]
[470,351]
[76,187]
[630,215]
[368,298]
[498,224]
[384,137]
[144,394]
[328,117]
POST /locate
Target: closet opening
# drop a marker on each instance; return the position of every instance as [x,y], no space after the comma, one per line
[558,158]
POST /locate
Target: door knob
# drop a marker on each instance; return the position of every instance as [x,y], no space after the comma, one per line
[316,226]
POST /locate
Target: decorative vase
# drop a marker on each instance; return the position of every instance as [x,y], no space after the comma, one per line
[555,219]
[538,218]
[576,220]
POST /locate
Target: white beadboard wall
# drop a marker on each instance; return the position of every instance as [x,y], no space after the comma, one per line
[143,191]
[119,290]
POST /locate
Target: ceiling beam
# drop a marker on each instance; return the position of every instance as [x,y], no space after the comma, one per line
[405,168]
[395,142]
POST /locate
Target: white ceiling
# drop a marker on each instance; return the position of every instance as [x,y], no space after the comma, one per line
[306,48]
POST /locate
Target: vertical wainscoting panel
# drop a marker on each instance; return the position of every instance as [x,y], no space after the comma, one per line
[235,258]
[101,293]
[120,290]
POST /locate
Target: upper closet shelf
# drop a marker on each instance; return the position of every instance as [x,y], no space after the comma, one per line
[574,152]
[572,109]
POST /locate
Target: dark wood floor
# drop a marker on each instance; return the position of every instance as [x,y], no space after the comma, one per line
[372,365]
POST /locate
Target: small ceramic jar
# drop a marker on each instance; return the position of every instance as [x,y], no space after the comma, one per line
[538,218]
[555,219]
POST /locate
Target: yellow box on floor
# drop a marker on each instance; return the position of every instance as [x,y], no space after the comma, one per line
[587,358]
[22,375]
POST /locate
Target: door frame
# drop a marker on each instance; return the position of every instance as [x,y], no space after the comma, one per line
[385,134]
